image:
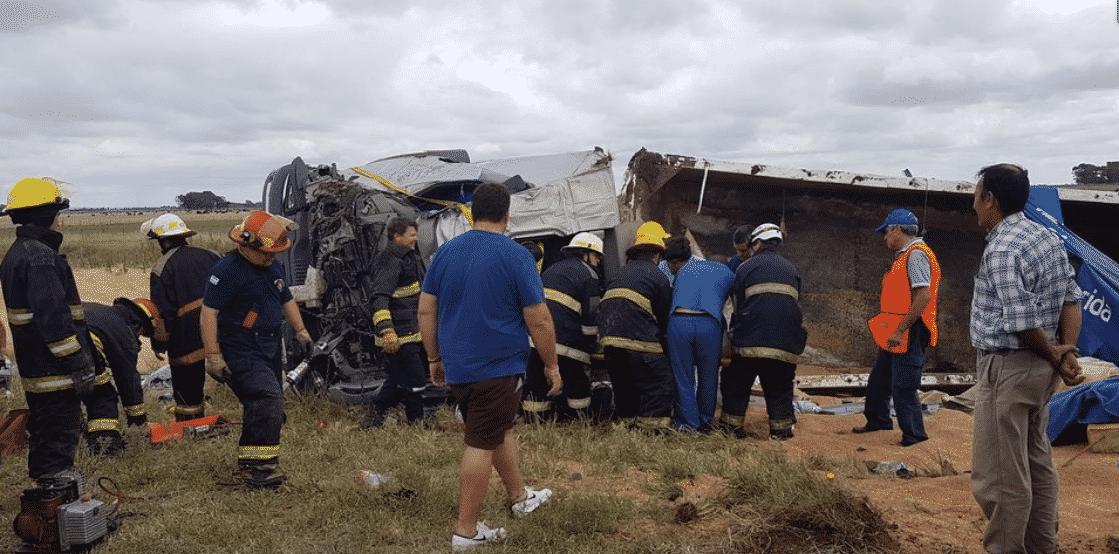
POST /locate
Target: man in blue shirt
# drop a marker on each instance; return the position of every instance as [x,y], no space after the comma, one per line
[482,298]
[695,333]
[246,302]
[741,243]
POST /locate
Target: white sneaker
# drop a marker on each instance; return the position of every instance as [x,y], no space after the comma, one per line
[484,535]
[533,500]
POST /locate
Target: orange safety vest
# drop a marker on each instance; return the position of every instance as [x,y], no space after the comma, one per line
[897,294]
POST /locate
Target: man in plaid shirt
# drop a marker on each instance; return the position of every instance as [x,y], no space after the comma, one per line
[1025,320]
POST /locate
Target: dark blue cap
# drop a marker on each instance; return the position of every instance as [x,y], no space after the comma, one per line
[900,216]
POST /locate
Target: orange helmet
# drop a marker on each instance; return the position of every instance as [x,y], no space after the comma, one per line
[149,315]
[263,231]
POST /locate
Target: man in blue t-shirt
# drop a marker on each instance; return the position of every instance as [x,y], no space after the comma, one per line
[482,298]
[246,302]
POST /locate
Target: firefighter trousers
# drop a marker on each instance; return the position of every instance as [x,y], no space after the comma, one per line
[776,377]
[406,381]
[254,361]
[573,401]
[188,383]
[53,428]
[644,387]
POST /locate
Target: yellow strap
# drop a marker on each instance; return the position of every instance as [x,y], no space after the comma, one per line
[50,383]
[632,344]
[767,352]
[414,337]
[65,347]
[137,410]
[563,300]
[258,452]
[535,407]
[405,292]
[100,346]
[77,312]
[382,315]
[19,316]
[105,424]
[632,296]
[573,353]
[734,421]
[776,288]
[579,403]
[463,208]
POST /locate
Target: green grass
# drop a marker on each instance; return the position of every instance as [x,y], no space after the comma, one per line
[616,491]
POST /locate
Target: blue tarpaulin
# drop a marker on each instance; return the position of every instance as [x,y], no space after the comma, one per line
[1073,409]
[1098,278]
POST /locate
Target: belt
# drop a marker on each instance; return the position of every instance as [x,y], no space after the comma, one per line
[685,311]
[1000,351]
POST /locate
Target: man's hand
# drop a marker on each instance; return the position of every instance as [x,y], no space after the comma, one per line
[84,381]
[895,339]
[391,344]
[435,368]
[1070,370]
[304,339]
[218,369]
[553,375]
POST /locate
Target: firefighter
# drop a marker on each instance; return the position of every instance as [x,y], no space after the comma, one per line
[52,344]
[398,273]
[572,291]
[115,330]
[632,320]
[246,302]
[178,280]
[768,335]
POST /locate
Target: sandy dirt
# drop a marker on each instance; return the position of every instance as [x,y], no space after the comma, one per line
[932,514]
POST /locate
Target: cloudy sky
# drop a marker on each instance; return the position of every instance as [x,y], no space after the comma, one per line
[136,101]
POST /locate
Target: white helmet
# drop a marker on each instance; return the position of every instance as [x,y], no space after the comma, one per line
[585,240]
[164,226]
[766,231]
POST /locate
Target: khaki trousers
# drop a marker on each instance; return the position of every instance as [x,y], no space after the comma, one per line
[1012,475]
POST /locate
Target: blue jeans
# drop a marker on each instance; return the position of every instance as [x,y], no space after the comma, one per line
[695,343]
[898,376]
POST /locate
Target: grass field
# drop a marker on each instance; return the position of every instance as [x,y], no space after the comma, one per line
[113,240]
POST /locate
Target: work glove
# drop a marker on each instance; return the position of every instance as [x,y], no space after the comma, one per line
[304,339]
[218,369]
[391,343]
[84,381]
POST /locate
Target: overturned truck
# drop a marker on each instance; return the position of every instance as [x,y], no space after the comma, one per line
[342,215]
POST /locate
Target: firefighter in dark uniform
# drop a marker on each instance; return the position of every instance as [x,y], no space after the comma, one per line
[572,291]
[115,330]
[768,335]
[632,320]
[49,333]
[178,280]
[246,302]
[398,273]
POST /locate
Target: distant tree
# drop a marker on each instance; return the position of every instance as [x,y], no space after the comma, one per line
[205,200]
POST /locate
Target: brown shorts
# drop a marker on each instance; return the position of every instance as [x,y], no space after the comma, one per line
[489,408]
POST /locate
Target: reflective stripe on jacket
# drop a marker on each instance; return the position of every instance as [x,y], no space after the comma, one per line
[398,273]
[897,294]
[571,289]
[767,319]
[178,282]
[633,313]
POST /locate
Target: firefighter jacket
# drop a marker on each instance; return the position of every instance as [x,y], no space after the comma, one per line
[398,273]
[896,293]
[767,318]
[44,311]
[114,333]
[633,313]
[572,291]
[178,281]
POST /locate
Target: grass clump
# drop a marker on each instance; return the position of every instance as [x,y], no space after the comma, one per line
[791,510]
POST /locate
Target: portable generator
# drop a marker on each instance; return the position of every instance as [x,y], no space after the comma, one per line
[53,518]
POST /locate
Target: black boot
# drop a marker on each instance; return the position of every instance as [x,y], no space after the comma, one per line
[105,443]
[260,475]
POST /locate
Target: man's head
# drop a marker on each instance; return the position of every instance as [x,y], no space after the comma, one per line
[35,201]
[143,317]
[262,235]
[741,240]
[491,203]
[402,231]
[1001,190]
[899,228]
[766,234]
[586,246]
[677,252]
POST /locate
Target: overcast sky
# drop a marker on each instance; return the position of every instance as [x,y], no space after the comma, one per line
[135,101]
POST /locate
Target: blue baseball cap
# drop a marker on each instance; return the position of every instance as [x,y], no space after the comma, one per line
[900,216]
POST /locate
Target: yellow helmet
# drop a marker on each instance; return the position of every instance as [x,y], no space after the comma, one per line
[651,233]
[165,226]
[35,192]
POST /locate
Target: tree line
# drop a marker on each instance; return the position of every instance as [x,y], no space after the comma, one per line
[209,202]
